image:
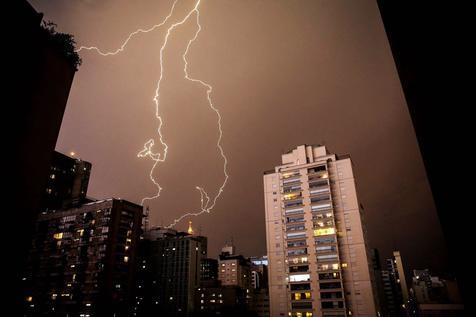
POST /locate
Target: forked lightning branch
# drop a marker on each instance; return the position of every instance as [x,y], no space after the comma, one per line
[206,202]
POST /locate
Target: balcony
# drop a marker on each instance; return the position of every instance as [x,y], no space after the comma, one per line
[321,206]
[299,278]
[293,179]
[298,210]
[301,304]
[329,277]
[299,269]
[297,244]
[293,203]
[295,219]
[295,227]
[330,286]
[300,287]
[293,188]
[297,252]
[295,235]
[316,182]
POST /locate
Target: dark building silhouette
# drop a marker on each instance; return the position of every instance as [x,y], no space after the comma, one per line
[168,272]
[40,71]
[208,270]
[83,261]
[67,183]
[434,297]
[423,39]
[259,294]
[392,292]
[218,300]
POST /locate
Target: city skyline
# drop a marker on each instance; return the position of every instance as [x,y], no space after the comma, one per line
[359,89]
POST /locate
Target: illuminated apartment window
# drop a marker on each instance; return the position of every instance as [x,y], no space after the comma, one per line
[58,236]
[344,264]
[322,232]
[126,259]
[299,277]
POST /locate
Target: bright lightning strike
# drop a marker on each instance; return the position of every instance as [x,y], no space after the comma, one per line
[123,46]
[207,204]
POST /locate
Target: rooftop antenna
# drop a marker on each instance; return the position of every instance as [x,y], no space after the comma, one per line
[190,229]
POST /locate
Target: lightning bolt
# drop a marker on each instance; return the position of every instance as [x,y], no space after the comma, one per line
[206,203]
[124,44]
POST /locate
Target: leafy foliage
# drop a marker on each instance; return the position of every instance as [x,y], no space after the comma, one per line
[65,42]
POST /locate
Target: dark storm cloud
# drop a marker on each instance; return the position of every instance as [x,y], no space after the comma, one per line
[284,73]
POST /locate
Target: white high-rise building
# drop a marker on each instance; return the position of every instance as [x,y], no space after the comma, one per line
[318,260]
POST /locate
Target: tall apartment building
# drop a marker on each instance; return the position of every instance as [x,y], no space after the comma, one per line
[169,272]
[83,261]
[67,183]
[318,259]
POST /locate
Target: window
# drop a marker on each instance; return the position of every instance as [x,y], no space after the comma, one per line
[326,257]
[326,231]
[299,277]
[292,235]
[321,206]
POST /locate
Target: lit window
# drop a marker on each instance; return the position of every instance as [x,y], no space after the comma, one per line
[58,236]
[299,277]
[344,264]
[308,295]
[322,232]
[126,259]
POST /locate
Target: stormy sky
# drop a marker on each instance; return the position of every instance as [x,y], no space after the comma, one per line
[284,73]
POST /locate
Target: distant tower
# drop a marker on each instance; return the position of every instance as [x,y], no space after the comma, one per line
[190,229]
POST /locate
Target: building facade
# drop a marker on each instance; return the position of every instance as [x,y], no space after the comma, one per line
[39,81]
[208,270]
[234,270]
[169,272]
[318,259]
[82,261]
[67,184]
